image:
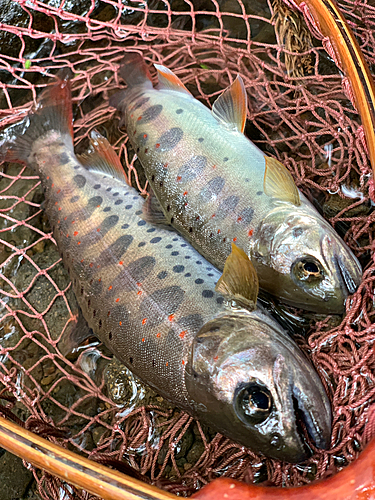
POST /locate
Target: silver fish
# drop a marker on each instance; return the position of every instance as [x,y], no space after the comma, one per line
[215,186]
[151,298]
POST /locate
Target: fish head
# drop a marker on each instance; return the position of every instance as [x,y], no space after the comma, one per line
[303,261]
[251,382]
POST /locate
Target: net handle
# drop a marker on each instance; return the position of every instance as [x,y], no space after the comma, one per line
[74,469]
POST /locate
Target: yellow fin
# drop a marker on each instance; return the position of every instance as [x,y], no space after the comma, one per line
[231,106]
[278,183]
[239,281]
[168,80]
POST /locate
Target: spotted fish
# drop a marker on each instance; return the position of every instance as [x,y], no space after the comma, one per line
[216,187]
[161,308]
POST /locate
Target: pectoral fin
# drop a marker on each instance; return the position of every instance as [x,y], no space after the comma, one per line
[278,183]
[239,281]
[230,107]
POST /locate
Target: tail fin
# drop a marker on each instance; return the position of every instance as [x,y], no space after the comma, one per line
[54,113]
[134,70]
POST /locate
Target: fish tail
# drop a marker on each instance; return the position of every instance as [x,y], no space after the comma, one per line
[53,114]
[135,73]
[134,70]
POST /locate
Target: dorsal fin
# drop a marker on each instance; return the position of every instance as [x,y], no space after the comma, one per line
[239,281]
[231,106]
[168,80]
[104,159]
[278,183]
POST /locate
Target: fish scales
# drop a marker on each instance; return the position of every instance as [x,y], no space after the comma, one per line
[115,260]
[152,299]
[216,187]
[194,171]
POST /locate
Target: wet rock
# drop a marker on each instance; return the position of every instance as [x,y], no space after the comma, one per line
[14,477]
[195,452]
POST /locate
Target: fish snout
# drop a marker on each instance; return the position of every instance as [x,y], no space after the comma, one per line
[349,271]
[312,407]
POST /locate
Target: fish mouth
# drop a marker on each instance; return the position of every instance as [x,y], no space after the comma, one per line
[345,276]
[310,418]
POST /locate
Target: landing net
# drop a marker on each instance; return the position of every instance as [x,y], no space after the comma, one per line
[299,112]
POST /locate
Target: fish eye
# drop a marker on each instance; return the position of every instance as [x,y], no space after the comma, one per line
[307,269]
[253,403]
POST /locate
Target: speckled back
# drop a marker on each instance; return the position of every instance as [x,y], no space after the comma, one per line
[143,290]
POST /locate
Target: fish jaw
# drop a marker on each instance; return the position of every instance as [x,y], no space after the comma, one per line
[248,379]
[300,259]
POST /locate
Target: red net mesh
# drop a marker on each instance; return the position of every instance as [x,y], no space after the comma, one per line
[299,111]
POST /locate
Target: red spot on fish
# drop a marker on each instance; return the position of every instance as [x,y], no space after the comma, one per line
[75,233]
[98,230]
[165,165]
[139,292]
[214,166]
[48,178]
[100,279]
[166,364]
[97,206]
[78,243]
[52,184]
[73,221]
[158,335]
[117,300]
[144,136]
[234,239]
[239,219]
[179,178]
[67,235]
[82,261]
[185,193]
[56,202]
[139,118]
[58,222]
[213,215]
[59,208]
[183,361]
[91,264]
[108,313]
[120,323]
[186,204]
[216,358]
[218,231]
[157,145]
[121,262]
[143,339]
[144,321]
[182,334]
[64,217]
[58,191]
[110,287]
[171,317]
[139,284]
[250,232]
[132,115]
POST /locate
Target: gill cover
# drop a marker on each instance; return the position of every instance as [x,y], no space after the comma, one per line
[249,380]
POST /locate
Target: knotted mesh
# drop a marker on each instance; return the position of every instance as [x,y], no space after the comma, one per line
[300,111]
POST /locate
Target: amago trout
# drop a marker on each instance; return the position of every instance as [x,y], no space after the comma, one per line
[150,297]
[216,187]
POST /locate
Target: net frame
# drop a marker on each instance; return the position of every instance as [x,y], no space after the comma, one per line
[214,54]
